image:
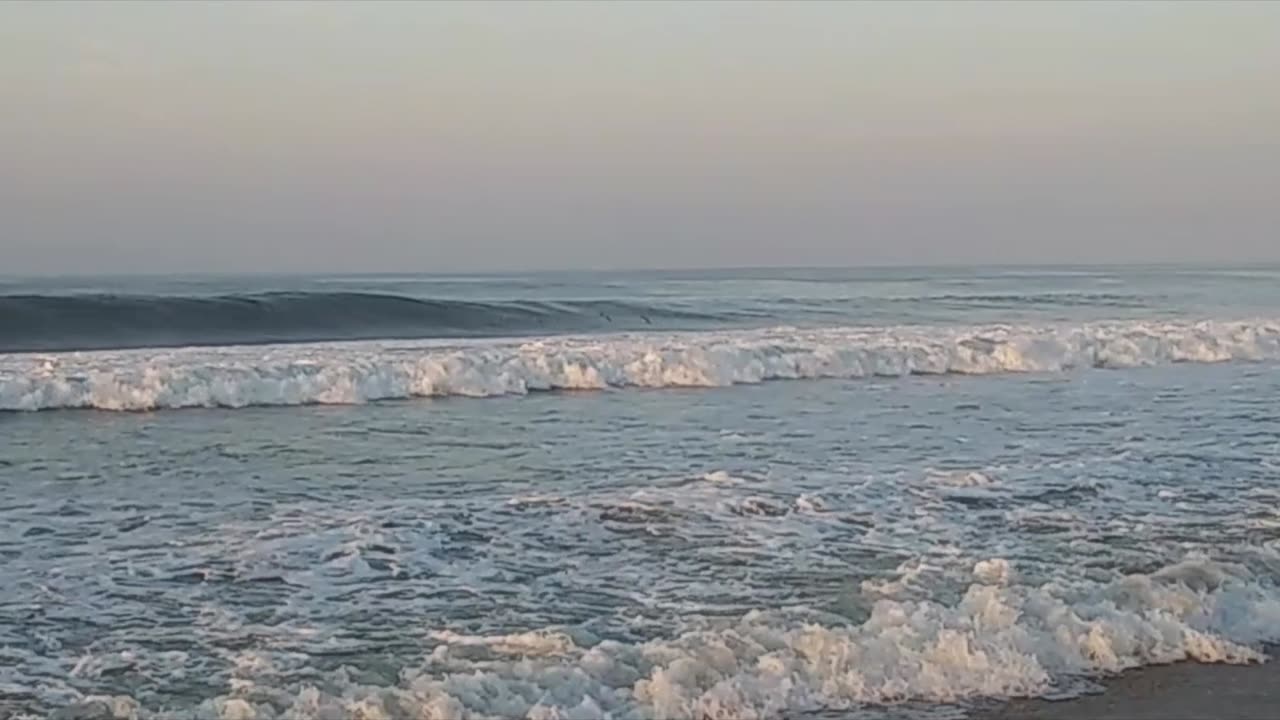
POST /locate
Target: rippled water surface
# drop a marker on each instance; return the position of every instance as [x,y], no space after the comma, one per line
[759,550]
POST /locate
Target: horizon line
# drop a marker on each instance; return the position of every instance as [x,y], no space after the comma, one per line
[511,272]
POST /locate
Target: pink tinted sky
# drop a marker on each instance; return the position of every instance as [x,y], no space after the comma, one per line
[476,136]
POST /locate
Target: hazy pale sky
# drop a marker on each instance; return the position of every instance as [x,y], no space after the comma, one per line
[436,136]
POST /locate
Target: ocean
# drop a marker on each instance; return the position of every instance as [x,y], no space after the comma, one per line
[728,495]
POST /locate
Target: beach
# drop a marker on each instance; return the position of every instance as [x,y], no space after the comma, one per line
[1181,691]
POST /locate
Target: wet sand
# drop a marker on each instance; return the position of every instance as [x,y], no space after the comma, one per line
[1185,691]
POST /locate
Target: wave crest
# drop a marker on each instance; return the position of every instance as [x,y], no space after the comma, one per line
[42,323]
[350,373]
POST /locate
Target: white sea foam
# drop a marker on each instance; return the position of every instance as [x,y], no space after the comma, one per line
[995,571]
[996,640]
[343,373]
[720,477]
[959,478]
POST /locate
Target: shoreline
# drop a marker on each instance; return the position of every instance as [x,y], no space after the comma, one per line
[1181,691]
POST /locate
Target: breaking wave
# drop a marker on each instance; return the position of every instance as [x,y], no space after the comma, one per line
[348,373]
[40,323]
[996,640]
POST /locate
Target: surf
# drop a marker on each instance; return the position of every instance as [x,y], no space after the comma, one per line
[363,372]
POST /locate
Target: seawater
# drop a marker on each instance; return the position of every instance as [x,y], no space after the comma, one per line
[1063,475]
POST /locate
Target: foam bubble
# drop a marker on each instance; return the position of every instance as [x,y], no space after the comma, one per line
[720,477]
[960,478]
[996,571]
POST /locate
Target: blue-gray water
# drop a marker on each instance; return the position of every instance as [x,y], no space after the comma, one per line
[39,314]
[974,484]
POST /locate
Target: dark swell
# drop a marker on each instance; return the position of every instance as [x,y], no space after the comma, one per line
[32,323]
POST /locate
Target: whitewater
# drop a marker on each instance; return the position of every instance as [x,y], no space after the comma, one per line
[995,641]
[585,497]
[345,373]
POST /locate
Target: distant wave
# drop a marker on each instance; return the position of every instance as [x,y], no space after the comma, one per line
[102,321]
[39,323]
[347,373]
[1062,299]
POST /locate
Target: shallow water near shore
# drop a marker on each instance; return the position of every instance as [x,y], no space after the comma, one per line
[836,545]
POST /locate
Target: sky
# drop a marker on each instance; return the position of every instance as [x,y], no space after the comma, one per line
[444,137]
